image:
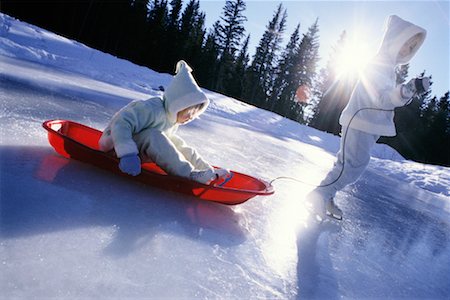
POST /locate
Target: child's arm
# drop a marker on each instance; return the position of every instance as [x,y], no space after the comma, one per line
[128,121]
[401,94]
[121,133]
[190,153]
[389,95]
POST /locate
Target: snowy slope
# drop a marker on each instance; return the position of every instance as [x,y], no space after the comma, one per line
[69,230]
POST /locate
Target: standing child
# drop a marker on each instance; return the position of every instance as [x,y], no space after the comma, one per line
[369,113]
[144,131]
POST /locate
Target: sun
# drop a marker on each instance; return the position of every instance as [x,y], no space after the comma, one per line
[353,57]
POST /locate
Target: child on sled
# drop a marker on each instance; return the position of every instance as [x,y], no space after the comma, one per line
[145,131]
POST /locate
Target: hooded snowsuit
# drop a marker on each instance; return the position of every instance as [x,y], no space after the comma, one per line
[369,113]
[148,127]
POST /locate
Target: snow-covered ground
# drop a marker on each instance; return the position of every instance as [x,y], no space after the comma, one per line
[69,230]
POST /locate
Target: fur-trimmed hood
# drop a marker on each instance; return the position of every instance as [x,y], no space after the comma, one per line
[397,33]
[183,92]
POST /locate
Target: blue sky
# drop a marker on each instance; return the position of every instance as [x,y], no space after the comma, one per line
[363,21]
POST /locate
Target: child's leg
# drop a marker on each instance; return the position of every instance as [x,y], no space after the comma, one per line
[352,159]
[155,146]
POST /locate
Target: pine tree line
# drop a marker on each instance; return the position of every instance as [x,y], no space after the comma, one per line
[423,130]
[158,33]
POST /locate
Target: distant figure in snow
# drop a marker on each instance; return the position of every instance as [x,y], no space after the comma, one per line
[144,131]
[369,113]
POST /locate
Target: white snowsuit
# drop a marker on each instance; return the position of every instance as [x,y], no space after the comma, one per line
[369,113]
[147,127]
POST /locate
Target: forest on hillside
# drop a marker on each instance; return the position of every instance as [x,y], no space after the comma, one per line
[279,76]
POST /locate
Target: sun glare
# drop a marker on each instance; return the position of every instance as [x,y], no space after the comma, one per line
[354,57]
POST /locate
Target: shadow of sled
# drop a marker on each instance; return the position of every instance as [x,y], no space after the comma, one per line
[49,193]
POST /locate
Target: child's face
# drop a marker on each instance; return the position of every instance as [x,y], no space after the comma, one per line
[187,114]
[408,47]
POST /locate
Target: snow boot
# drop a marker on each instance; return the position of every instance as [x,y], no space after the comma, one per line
[333,211]
[322,208]
[205,176]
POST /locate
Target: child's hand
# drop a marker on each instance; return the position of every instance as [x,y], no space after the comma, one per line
[222,173]
[130,164]
[415,85]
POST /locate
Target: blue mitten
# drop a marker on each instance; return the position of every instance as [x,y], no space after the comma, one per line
[130,164]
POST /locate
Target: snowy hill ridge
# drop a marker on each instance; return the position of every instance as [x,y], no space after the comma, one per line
[71,231]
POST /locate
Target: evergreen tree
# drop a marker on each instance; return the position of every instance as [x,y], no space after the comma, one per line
[134,39]
[436,131]
[308,56]
[231,30]
[116,22]
[235,86]
[207,70]
[333,94]
[261,72]
[192,33]
[155,35]
[285,73]
[273,56]
[173,41]
[174,15]
[305,62]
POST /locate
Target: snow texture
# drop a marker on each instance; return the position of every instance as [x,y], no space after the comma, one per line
[71,231]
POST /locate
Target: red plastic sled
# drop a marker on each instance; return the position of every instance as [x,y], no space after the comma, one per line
[80,142]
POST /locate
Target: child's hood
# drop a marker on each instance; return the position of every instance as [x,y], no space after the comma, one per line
[397,33]
[183,92]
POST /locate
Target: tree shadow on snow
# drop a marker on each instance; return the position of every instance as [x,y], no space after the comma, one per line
[42,192]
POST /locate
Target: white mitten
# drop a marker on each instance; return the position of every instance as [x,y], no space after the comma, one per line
[222,173]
